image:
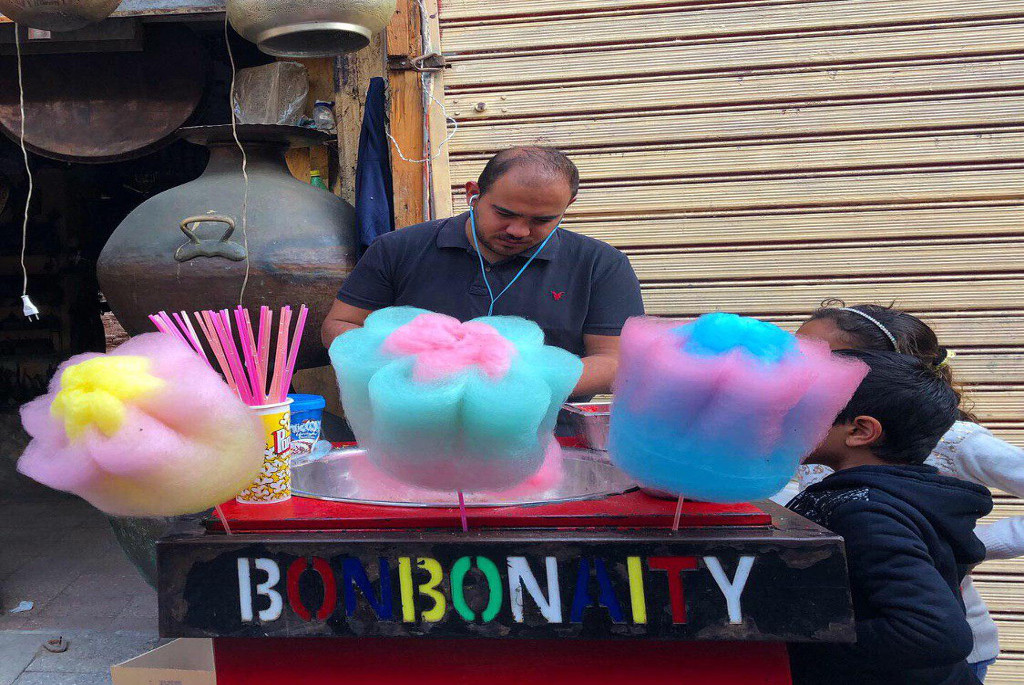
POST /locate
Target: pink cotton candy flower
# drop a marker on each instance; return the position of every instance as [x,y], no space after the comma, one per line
[444,346]
[147,430]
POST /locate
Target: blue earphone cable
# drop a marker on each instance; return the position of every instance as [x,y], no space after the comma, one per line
[483,270]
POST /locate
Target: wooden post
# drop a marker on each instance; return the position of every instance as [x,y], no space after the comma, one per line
[437,125]
[352,78]
[407,122]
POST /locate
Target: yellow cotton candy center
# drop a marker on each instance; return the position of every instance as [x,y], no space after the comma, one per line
[95,392]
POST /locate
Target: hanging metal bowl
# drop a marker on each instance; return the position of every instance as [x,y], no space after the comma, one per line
[309,28]
[74,115]
[57,15]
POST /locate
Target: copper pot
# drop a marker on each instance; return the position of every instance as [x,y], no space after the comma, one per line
[57,15]
[184,249]
[309,28]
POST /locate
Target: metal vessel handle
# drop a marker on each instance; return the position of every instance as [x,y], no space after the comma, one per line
[197,247]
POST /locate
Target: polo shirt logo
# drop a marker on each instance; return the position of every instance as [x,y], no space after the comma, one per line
[557,295]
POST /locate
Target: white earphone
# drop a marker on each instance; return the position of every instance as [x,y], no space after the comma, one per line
[473,199]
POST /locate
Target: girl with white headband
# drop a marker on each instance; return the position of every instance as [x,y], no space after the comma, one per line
[968,451]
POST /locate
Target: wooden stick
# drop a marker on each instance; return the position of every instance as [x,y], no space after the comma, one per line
[223,519]
[462,513]
[679,513]
[195,336]
[190,335]
[206,324]
[231,352]
[203,319]
[160,326]
[249,354]
[171,327]
[227,347]
[226,318]
[293,353]
[258,381]
[281,354]
[266,320]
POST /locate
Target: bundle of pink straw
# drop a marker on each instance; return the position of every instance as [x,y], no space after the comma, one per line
[245,360]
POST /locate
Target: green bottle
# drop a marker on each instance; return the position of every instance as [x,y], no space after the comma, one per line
[316,181]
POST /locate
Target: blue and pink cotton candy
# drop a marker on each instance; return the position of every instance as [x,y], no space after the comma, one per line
[724,408]
[446,405]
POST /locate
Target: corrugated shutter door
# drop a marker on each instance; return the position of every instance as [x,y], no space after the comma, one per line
[759,157]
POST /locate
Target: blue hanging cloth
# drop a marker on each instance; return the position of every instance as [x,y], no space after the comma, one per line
[375,213]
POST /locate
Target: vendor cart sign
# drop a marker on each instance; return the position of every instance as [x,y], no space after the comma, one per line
[565,588]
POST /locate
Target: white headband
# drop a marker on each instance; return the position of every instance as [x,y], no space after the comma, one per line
[890,336]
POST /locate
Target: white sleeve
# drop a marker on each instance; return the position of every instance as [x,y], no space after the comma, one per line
[1003,539]
[787,493]
[983,458]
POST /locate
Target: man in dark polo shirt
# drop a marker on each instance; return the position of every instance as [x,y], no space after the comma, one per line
[578,289]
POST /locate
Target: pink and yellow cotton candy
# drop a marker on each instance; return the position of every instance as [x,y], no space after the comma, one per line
[146,430]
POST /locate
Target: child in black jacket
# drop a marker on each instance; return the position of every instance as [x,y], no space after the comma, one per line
[909,532]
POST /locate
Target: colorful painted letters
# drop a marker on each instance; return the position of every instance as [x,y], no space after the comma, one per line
[473,588]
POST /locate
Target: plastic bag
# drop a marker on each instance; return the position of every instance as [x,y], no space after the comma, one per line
[271,94]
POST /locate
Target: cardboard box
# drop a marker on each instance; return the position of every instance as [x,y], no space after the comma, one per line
[182,662]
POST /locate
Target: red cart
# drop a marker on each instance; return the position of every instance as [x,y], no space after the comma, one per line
[597,591]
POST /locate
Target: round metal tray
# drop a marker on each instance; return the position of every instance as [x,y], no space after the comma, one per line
[277,134]
[346,475]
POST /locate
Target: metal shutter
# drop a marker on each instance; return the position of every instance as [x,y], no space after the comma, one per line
[759,156]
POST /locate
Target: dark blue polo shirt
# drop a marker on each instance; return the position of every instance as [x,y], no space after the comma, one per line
[577,285]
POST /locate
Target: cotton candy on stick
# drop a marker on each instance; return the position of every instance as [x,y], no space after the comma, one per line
[452,406]
[147,430]
[722,409]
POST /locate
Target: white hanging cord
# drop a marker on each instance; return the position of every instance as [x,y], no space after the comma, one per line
[424,20]
[29,309]
[440,147]
[245,162]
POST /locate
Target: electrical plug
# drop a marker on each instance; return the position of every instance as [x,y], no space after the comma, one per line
[30,310]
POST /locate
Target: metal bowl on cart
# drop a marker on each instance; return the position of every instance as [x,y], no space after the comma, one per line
[346,475]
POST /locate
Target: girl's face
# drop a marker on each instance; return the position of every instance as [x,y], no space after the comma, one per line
[826,331]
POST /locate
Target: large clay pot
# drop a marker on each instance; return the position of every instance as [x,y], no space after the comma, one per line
[309,28]
[184,249]
[57,15]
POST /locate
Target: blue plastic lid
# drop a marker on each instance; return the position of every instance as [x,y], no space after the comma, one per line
[307,402]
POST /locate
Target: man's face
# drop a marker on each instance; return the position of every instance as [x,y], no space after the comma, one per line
[519,210]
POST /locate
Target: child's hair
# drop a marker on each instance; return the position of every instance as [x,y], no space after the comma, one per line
[870,330]
[915,405]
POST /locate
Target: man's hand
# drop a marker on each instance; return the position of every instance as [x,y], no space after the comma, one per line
[342,317]
[600,363]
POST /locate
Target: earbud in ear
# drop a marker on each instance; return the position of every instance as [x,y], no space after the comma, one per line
[473,199]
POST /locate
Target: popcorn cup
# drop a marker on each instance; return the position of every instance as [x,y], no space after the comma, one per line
[274,483]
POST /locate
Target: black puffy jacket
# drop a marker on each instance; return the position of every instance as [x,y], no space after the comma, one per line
[909,535]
